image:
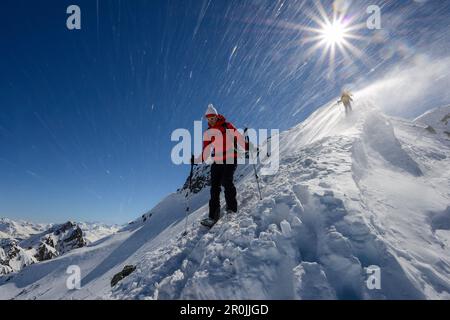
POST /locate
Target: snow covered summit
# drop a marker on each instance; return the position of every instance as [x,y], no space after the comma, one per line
[19,229]
[353,194]
[24,243]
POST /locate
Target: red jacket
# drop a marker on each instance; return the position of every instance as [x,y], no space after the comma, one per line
[224,138]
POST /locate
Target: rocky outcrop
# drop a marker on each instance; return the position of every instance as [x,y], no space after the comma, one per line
[57,240]
[430,129]
[13,257]
[200,179]
[127,270]
[446,119]
[60,239]
[46,252]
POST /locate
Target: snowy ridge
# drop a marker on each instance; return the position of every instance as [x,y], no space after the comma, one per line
[350,193]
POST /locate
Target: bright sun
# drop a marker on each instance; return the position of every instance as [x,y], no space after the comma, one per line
[334,33]
[331,37]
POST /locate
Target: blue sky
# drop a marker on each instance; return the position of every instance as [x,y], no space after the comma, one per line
[86,116]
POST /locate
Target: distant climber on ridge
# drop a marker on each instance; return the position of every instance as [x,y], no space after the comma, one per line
[346,99]
[220,142]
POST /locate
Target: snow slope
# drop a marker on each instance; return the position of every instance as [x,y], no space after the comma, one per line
[437,122]
[367,190]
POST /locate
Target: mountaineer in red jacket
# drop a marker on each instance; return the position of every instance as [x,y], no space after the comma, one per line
[220,142]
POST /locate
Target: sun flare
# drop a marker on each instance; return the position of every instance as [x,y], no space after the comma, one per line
[334,33]
[331,37]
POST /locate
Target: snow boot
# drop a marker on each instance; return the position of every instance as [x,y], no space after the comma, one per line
[209,223]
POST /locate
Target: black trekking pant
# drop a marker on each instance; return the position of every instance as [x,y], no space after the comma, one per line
[222,175]
[348,108]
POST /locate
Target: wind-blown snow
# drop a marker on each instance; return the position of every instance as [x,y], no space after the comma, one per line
[367,190]
[409,88]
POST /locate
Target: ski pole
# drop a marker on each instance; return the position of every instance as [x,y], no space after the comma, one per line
[247,140]
[187,196]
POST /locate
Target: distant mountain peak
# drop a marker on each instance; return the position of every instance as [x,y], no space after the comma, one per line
[27,243]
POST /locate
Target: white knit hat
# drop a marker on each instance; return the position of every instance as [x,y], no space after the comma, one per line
[211,111]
